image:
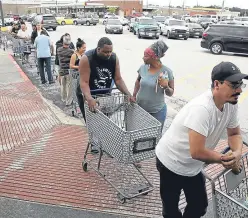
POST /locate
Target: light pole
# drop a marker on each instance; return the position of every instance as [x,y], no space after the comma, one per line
[2,16]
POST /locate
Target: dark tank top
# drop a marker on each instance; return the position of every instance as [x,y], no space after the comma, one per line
[102,72]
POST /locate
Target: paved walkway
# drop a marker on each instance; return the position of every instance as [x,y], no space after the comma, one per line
[41,161]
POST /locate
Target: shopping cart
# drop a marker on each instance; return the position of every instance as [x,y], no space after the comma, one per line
[230,191]
[75,107]
[125,134]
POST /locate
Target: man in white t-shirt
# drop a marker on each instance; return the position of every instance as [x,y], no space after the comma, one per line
[23,33]
[190,141]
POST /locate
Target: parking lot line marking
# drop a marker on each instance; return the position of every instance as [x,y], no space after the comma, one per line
[191,75]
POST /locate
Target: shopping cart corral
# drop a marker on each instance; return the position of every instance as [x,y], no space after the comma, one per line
[125,134]
[229,191]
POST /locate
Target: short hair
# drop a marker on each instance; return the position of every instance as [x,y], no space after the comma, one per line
[104,41]
[43,32]
[66,40]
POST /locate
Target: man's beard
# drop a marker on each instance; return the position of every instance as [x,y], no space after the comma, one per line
[235,101]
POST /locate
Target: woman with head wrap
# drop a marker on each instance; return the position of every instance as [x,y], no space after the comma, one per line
[154,79]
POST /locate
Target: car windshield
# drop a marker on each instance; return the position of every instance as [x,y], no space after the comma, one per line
[176,23]
[148,21]
[48,18]
[114,22]
[133,20]
[160,19]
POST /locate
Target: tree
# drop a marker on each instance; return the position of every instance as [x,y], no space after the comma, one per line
[29,11]
[111,10]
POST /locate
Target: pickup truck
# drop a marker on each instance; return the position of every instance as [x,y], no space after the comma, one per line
[176,29]
[145,27]
[8,21]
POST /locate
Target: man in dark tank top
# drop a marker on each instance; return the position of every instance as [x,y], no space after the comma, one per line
[98,68]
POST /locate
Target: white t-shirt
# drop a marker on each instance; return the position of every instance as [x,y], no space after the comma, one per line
[23,34]
[202,116]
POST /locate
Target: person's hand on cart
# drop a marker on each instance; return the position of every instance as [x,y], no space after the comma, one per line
[92,104]
[230,160]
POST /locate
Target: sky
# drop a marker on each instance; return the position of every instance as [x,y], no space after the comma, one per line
[228,3]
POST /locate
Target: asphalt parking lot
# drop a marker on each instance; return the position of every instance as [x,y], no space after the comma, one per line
[191,64]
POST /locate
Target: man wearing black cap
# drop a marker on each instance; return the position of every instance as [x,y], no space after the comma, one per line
[190,141]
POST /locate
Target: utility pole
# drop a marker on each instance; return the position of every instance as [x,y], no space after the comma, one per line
[2,15]
[169,6]
[183,5]
[56,6]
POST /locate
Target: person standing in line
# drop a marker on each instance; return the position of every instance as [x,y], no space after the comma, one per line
[44,49]
[75,58]
[98,68]
[190,141]
[64,56]
[154,80]
[37,31]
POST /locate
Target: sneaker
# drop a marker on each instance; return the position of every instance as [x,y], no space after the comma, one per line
[51,82]
[44,82]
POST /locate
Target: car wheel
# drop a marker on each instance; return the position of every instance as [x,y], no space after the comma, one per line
[216,48]
[88,23]
[168,35]
[63,23]
[134,32]
[138,35]
[186,38]
[94,24]
[54,28]
[157,37]
[106,31]
[75,22]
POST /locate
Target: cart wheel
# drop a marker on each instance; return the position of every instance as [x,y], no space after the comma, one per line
[84,165]
[73,114]
[121,198]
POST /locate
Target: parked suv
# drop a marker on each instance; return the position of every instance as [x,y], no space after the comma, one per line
[47,20]
[87,19]
[223,37]
[145,27]
[175,29]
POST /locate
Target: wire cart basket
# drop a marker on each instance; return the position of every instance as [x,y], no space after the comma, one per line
[125,134]
[230,191]
[75,108]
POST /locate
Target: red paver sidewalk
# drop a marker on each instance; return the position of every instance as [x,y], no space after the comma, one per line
[44,159]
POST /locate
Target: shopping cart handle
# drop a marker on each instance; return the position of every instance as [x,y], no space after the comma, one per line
[101,90]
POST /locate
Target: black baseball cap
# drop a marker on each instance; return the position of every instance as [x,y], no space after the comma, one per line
[227,71]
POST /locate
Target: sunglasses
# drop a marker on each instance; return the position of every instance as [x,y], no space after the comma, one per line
[235,85]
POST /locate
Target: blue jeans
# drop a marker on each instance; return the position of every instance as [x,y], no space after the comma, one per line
[47,62]
[161,115]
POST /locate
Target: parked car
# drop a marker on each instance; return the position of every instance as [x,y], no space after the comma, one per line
[113,26]
[47,20]
[213,18]
[124,21]
[205,22]
[146,27]
[242,20]
[175,29]
[195,18]
[8,20]
[67,20]
[160,21]
[87,19]
[131,24]
[112,18]
[195,30]
[108,15]
[231,38]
